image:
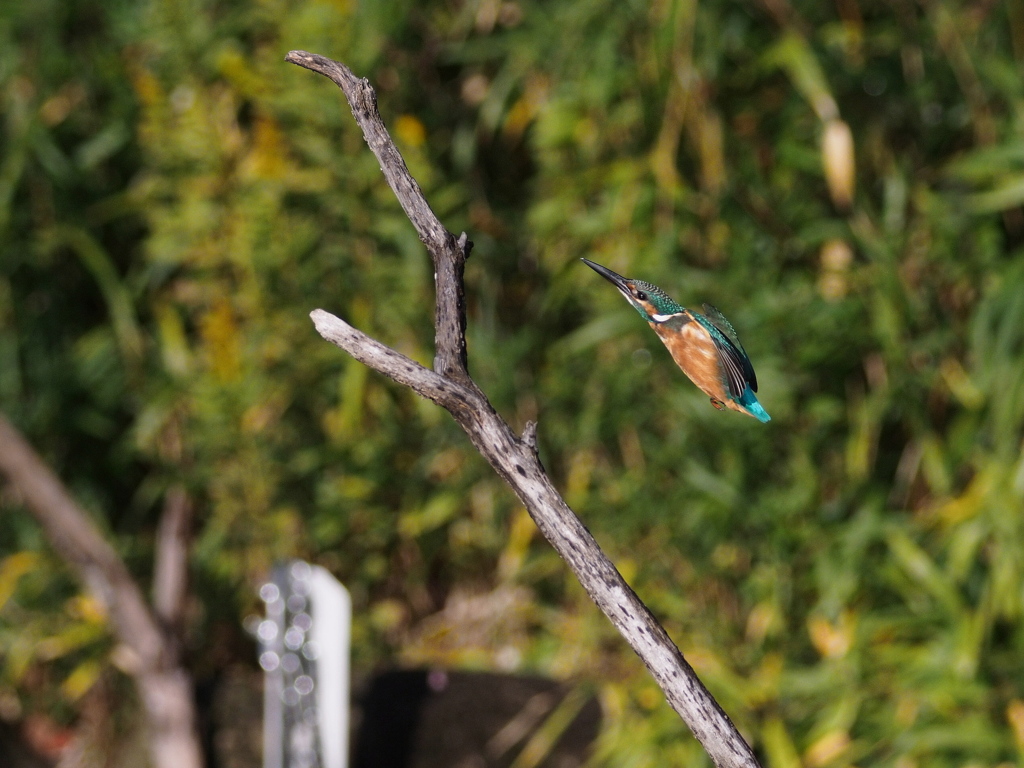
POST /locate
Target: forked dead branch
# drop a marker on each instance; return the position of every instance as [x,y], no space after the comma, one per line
[513,457]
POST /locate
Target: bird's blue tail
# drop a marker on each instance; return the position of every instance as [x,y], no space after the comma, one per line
[749,402]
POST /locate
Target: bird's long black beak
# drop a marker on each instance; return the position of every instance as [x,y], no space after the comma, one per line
[612,277]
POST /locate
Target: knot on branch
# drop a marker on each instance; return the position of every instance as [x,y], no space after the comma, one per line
[465,245]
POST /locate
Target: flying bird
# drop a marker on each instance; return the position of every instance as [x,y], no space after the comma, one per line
[705,346]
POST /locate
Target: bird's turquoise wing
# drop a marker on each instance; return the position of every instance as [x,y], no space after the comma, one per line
[739,369]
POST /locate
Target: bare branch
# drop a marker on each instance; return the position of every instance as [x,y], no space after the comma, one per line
[77,541]
[170,564]
[152,658]
[514,459]
[449,255]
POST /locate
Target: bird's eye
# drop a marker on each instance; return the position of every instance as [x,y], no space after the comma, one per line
[641,295]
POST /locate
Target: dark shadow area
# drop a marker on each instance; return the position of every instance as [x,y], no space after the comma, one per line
[15,753]
[439,719]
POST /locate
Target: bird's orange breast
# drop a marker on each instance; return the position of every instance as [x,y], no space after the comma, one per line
[694,352]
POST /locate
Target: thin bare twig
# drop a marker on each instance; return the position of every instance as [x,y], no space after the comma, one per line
[449,254]
[513,458]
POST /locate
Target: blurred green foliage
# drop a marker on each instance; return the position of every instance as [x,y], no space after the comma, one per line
[847,579]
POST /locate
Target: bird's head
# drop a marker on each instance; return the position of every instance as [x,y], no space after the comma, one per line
[653,304]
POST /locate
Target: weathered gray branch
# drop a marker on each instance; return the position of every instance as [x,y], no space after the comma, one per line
[512,457]
[151,657]
[449,254]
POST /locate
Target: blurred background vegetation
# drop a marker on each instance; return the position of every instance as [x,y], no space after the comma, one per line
[848,579]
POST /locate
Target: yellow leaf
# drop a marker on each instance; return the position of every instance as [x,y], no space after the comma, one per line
[521,532]
[971,502]
[778,745]
[410,130]
[649,697]
[762,618]
[268,157]
[832,641]
[220,333]
[147,88]
[12,568]
[81,679]
[174,347]
[73,637]
[794,54]
[827,748]
[88,608]
[1015,716]
[960,384]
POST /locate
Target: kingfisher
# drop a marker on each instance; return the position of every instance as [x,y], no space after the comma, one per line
[705,347]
